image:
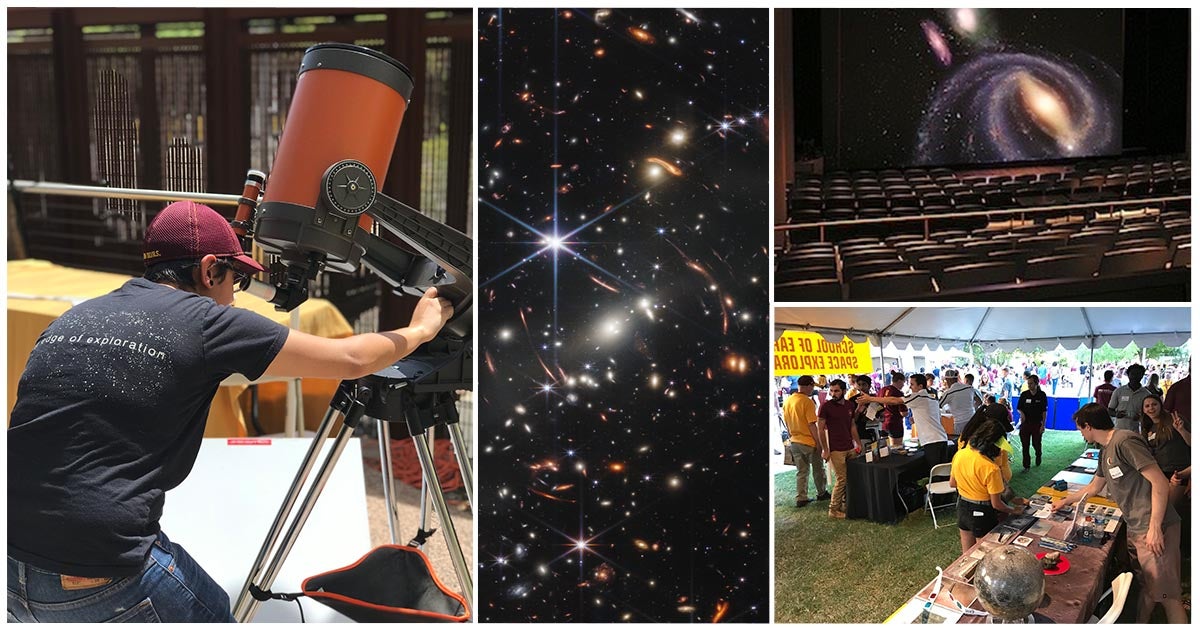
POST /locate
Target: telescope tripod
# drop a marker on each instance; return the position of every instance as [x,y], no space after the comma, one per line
[382,396]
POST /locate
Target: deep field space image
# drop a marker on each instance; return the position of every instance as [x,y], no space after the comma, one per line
[623,315]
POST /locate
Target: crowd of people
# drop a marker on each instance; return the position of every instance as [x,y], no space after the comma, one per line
[1143,434]
[1057,377]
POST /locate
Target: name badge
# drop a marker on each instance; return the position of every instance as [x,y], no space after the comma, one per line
[1115,472]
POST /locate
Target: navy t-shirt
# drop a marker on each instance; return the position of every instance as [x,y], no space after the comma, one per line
[1034,405]
[109,415]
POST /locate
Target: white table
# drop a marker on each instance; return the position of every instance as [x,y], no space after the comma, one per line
[221,515]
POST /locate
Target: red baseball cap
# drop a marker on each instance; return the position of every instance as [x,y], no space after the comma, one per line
[190,230]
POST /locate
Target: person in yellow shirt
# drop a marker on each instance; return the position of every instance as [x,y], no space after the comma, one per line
[800,416]
[980,484]
[1000,414]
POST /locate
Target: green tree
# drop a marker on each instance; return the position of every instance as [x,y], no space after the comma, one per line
[1109,354]
[1161,350]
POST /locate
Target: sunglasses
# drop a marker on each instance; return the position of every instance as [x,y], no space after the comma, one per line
[241,279]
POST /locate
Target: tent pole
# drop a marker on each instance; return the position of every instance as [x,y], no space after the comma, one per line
[1091,363]
[882,367]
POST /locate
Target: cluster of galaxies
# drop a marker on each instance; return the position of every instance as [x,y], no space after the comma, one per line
[1006,85]
[623,208]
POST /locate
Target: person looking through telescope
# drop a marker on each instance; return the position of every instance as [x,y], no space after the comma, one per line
[111,410]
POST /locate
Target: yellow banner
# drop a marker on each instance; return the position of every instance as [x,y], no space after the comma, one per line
[798,353]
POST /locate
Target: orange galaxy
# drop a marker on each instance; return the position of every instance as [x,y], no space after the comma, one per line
[641,35]
[667,166]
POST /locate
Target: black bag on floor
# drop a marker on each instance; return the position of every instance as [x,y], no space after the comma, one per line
[912,496]
[391,584]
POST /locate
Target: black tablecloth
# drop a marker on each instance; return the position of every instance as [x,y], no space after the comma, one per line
[871,488]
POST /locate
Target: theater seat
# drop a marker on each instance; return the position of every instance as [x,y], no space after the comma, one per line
[850,243]
[804,217]
[1057,194]
[935,264]
[977,274]
[1030,196]
[978,248]
[891,285]
[1097,239]
[1183,256]
[805,202]
[801,258]
[1137,188]
[999,199]
[1045,242]
[1139,259]
[796,274]
[862,267]
[1085,193]
[924,251]
[1015,256]
[809,291]
[1060,266]
[1137,243]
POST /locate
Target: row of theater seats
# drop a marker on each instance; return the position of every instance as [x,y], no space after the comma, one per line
[917,192]
[957,262]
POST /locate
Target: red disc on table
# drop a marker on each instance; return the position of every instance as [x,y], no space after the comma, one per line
[1063,564]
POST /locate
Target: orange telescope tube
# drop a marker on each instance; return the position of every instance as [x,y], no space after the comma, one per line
[348,105]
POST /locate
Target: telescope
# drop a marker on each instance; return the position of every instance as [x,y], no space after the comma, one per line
[322,211]
[324,194]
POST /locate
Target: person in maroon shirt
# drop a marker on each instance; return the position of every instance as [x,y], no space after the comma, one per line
[893,415]
[836,421]
[1104,390]
[1178,401]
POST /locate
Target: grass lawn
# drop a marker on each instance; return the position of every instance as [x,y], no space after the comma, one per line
[856,571]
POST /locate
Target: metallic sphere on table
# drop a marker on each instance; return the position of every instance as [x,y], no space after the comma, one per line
[1010,583]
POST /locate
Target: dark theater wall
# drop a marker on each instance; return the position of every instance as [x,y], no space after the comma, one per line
[1157,80]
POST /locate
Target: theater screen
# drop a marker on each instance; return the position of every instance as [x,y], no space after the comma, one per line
[970,86]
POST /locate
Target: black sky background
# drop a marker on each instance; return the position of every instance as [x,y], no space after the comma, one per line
[623,322]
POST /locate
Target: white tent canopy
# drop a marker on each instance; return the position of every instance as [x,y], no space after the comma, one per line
[1006,328]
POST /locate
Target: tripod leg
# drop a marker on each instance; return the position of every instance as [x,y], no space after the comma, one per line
[464,463]
[306,507]
[429,472]
[424,524]
[389,484]
[242,608]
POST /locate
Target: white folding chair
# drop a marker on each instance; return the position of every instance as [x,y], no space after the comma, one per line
[1119,592]
[938,488]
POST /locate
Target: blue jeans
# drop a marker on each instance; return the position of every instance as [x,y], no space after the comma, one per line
[170,588]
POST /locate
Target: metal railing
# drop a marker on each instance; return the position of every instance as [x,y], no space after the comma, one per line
[136,194]
[1021,211]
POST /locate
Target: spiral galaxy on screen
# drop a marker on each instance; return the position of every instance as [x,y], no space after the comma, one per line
[1004,106]
[971,86]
